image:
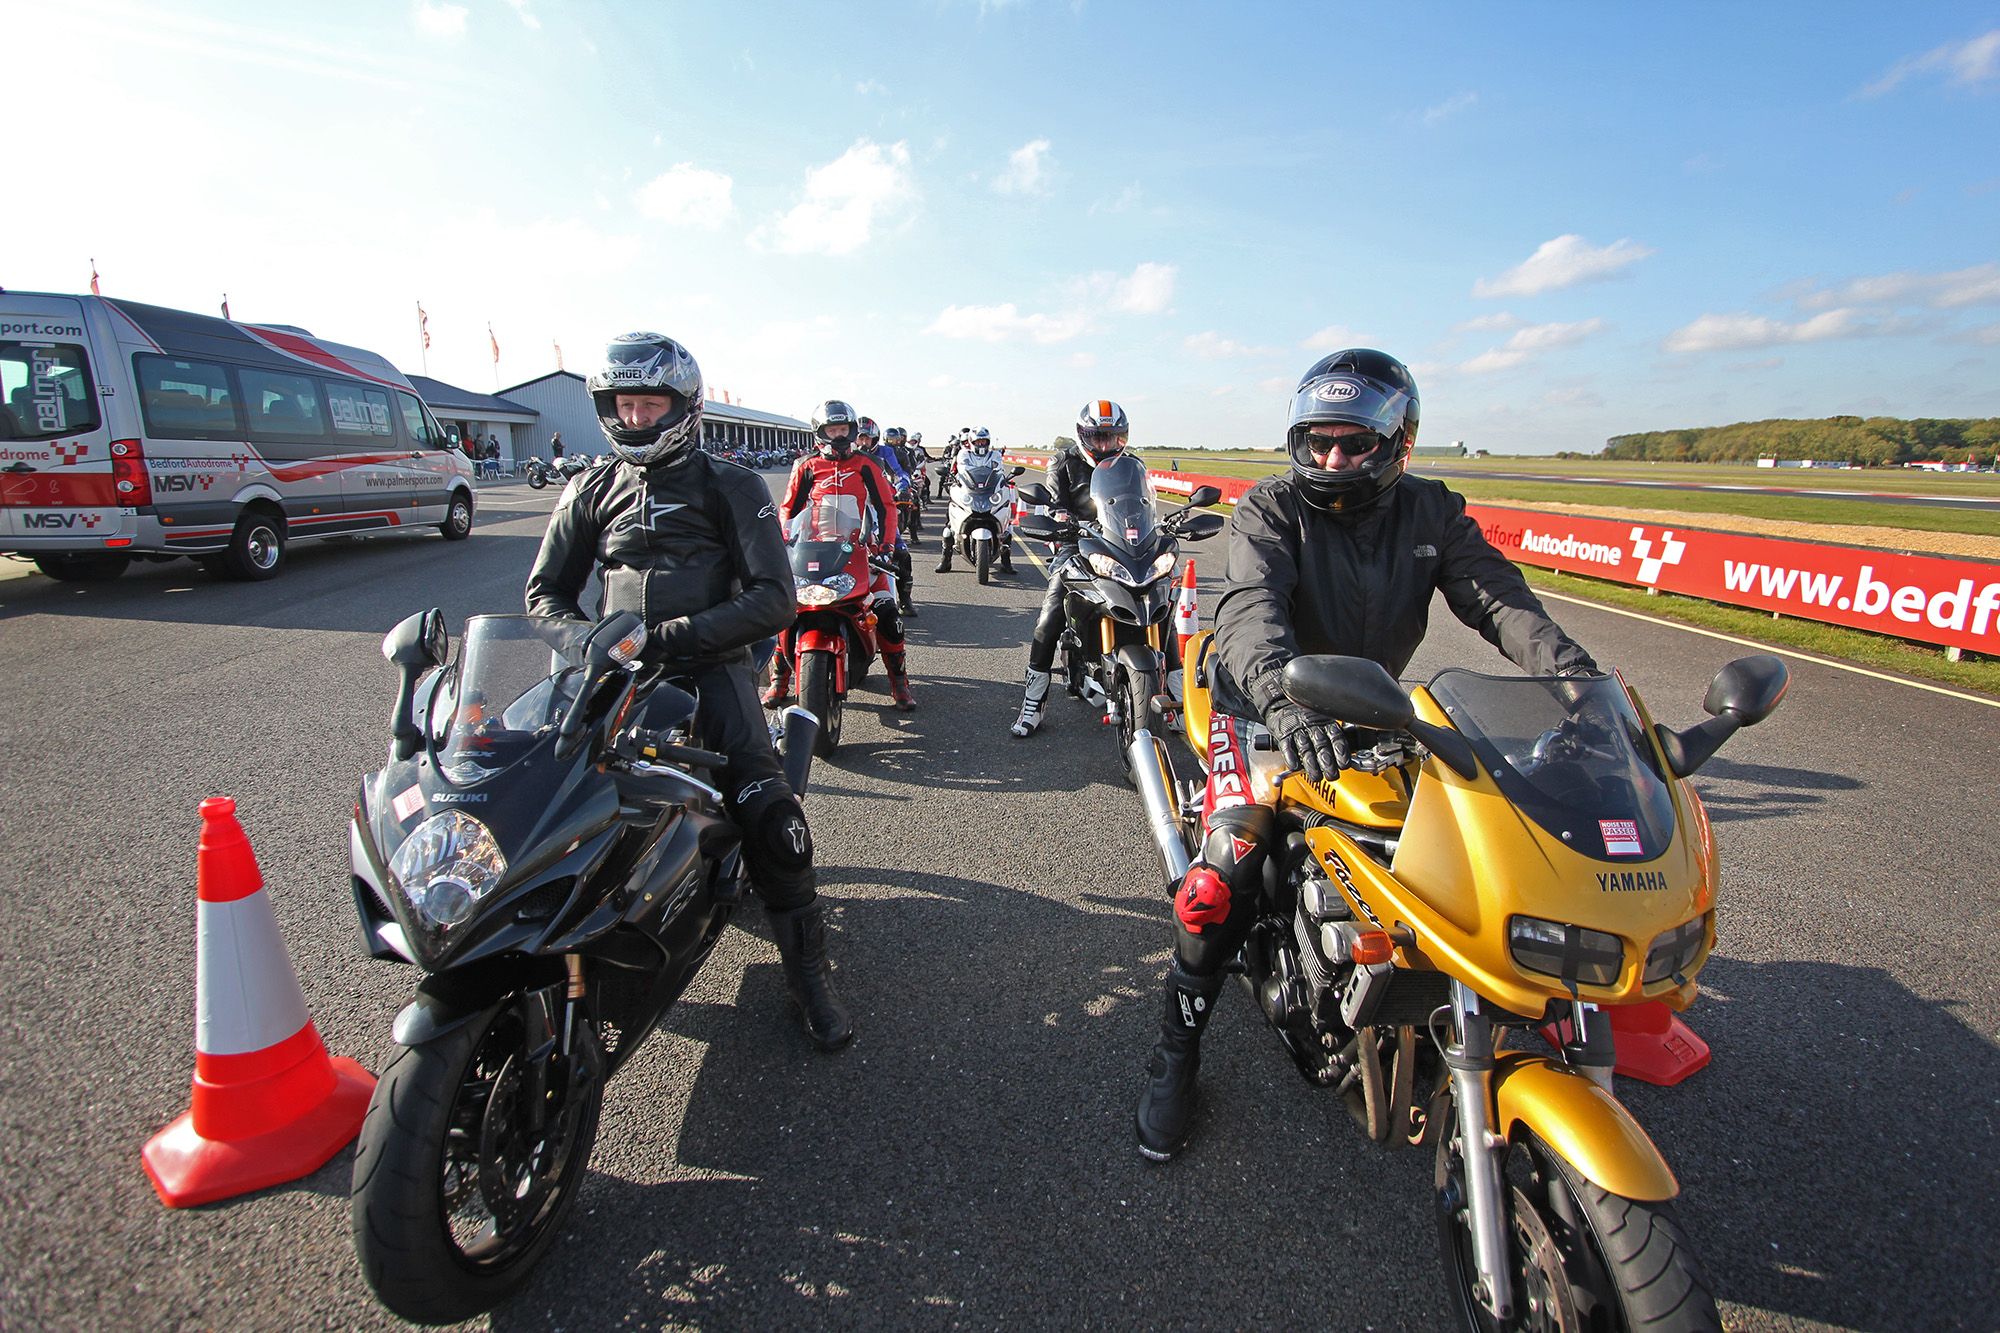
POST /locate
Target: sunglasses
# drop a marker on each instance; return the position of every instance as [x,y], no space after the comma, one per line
[1352,446]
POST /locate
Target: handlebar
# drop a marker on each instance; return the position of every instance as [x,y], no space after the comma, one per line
[655,745]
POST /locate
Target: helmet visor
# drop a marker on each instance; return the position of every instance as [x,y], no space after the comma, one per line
[1102,441]
[1352,399]
[1350,451]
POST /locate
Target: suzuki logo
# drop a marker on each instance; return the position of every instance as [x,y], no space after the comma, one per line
[1650,565]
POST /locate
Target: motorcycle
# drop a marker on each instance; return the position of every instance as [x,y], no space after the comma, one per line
[1500,853]
[540,473]
[833,639]
[979,520]
[909,507]
[558,874]
[1119,569]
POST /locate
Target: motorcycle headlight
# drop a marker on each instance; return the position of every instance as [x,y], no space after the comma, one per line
[1105,566]
[1673,952]
[447,864]
[827,593]
[1161,566]
[1545,947]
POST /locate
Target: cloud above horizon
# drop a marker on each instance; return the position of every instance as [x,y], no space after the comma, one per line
[1563,262]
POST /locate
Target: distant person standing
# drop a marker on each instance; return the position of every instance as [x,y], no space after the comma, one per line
[555,446]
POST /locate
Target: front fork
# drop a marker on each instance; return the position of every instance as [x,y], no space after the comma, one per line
[1469,1057]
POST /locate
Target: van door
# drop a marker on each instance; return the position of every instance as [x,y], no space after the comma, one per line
[58,491]
[375,475]
[433,459]
[289,427]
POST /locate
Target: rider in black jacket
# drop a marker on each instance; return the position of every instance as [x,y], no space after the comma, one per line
[1101,433]
[1340,555]
[691,544]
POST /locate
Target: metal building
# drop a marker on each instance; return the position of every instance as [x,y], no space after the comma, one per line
[560,403]
[478,415]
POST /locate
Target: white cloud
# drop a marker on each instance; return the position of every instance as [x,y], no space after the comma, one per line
[1083,360]
[1332,338]
[868,86]
[1146,290]
[1277,384]
[1487,323]
[1006,323]
[1973,61]
[842,201]
[1124,201]
[439,20]
[1562,262]
[1212,346]
[1731,332]
[1987,335]
[1027,170]
[687,195]
[1451,106]
[525,14]
[1529,342]
[1222,390]
[1978,285]
[1574,396]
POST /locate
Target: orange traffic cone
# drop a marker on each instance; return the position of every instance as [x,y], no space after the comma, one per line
[268,1105]
[1654,1046]
[1187,612]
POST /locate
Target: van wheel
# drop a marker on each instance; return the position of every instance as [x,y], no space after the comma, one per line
[83,568]
[457,525]
[256,548]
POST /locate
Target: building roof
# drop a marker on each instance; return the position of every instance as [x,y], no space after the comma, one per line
[712,407]
[450,398]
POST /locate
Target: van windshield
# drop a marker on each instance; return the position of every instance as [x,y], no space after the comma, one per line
[45,391]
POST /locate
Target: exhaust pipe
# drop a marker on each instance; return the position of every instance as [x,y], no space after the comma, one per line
[1148,758]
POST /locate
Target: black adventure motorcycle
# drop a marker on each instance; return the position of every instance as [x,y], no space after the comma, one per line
[1119,565]
[558,874]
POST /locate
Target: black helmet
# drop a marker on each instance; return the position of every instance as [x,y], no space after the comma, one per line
[1101,429]
[648,363]
[1359,387]
[833,412]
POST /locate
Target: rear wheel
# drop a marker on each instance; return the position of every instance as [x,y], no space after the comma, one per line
[1579,1257]
[985,562]
[457,525]
[257,547]
[83,568]
[468,1161]
[818,697]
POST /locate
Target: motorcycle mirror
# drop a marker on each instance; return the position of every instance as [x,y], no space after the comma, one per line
[1035,493]
[1200,527]
[1353,689]
[417,644]
[1742,694]
[1204,496]
[1017,472]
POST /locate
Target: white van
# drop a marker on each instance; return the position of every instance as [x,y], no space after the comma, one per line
[130,430]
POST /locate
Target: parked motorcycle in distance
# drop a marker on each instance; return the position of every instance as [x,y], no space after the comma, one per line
[1501,852]
[558,872]
[540,473]
[1118,564]
[909,507]
[979,519]
[833,639]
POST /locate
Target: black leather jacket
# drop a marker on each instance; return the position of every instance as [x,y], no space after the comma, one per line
[1068,479]
[1304,581]
[692,546]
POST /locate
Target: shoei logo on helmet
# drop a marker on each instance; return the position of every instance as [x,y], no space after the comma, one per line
[1339,391]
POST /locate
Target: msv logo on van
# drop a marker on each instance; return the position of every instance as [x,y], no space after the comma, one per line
[61,522]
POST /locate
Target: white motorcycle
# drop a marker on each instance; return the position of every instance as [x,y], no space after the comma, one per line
[979,522]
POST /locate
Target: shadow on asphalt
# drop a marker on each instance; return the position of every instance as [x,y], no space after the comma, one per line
[1732,791]
[1800,1206]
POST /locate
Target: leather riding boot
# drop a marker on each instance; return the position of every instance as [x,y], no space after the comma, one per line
[944,561]
[779,687]
[899,679]
[1166,1107]
[800,934]
[1034,695]
[1006,559]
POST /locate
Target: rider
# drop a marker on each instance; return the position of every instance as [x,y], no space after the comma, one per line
[1101,432]
[838,467]
[687,542]
[1339,555]
[974,444]
[893,455]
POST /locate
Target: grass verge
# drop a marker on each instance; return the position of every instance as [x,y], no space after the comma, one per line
[1783,508]
[1876,651]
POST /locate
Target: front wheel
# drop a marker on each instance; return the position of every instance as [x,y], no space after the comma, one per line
[461,1180]
[1135,703]
[818,697]
[537,479]
[985,565]
[1579,1256]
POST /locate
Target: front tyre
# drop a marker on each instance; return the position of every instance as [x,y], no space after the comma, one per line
[457,525]
[1580,1257]
[537,479]
[985,564]
[455,1197]
[818,697]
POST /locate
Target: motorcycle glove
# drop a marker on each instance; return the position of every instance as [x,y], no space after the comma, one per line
[674,639]
[1312,742]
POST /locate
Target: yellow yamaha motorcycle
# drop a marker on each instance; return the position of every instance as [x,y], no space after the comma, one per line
[1501,853]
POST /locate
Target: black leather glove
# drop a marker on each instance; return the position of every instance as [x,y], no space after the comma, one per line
[1311,741]
[673,640]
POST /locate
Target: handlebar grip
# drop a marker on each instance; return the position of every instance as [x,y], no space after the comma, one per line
[653,746]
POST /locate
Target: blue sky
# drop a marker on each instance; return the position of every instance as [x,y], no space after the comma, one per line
[1571,220]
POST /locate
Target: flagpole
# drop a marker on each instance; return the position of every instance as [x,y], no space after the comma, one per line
[424,339]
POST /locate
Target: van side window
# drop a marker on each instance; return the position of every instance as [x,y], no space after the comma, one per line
[186,400]
[358,413]
[45,391]
[416,422]
[278,406]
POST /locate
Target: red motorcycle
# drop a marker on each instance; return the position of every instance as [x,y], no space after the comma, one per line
[832,643]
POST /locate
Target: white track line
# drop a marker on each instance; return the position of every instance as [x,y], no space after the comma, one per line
[1782,652]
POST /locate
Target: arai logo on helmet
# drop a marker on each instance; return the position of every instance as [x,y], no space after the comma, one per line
[1339,391]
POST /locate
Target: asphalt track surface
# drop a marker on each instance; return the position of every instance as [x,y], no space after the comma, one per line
[1000,933]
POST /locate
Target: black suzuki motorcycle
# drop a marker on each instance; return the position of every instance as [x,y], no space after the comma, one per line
[1119,564]
[558,873]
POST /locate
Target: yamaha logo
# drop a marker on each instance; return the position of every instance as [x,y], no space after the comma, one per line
[1338,392]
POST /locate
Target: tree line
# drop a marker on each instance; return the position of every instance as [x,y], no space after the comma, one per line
[1870,441]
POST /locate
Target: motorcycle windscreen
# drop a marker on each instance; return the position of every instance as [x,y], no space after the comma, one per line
[831,516]
[1127,507]
[516,677]
[1571,753]
[979,478]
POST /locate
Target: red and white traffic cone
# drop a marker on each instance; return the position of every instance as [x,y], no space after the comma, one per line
[268,1104]
[1187,613]
[1653,1045]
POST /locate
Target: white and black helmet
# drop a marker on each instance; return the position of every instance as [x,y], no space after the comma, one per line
[1101,429]
[833,412]
[981,441]
[654,364]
